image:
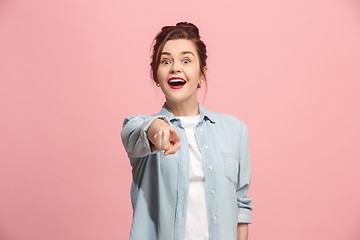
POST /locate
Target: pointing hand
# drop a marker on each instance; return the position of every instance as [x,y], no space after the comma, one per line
[164,137]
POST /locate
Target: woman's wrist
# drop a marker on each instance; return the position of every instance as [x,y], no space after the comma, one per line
[242,231]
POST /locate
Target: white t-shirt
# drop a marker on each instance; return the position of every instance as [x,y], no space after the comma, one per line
[196,215]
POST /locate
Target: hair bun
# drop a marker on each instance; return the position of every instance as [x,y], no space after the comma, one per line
[190,27]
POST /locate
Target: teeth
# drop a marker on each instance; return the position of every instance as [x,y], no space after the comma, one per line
[176,80]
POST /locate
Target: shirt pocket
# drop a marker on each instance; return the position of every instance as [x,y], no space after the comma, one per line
[231,166]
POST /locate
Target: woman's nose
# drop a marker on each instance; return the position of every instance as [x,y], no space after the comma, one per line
[175,67]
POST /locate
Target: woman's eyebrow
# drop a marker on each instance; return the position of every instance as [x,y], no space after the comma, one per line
[184,52]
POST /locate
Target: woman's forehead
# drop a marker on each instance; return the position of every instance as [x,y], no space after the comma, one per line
[179,47]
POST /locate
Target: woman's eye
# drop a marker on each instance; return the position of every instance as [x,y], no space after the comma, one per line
[186,60]
[165,61]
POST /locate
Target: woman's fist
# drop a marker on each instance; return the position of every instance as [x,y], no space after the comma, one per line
[164,137]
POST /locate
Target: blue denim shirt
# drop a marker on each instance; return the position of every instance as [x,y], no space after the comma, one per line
[159,189]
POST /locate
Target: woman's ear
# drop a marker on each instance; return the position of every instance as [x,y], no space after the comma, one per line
[203,76]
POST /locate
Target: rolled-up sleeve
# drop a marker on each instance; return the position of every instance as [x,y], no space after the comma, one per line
[244,177]
[134,135]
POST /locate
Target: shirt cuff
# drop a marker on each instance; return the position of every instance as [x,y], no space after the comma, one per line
[244,215]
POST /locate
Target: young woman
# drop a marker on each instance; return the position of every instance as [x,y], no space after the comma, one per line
[191,166]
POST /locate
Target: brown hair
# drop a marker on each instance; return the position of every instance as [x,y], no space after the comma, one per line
[182,30]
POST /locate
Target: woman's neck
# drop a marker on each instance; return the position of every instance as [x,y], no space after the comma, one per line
[184,109]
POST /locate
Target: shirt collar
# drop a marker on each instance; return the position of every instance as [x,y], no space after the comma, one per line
[204,113]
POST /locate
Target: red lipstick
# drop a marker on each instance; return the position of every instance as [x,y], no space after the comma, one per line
[176,82]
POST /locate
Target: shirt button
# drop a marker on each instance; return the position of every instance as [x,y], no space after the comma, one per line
[200,129]
[184,171]
[212,192]
[182,194]
[206,147]
[210,167]
[214,217]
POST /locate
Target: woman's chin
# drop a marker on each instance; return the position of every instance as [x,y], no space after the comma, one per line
[180,99]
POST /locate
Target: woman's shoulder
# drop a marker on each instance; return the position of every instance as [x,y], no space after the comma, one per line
[228,118]
[229,125]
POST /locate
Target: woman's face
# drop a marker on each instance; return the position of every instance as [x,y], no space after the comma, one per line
[179,71]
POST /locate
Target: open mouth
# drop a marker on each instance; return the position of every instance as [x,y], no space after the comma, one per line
[176,83]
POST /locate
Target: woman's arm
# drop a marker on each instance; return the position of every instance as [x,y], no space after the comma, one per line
[134,135]
[244,179]
[242,231]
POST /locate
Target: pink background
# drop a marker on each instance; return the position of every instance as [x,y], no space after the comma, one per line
[72,70]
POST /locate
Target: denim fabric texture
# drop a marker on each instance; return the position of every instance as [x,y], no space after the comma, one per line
[160,183]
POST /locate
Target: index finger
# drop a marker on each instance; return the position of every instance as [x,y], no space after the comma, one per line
[174,135]
[173,149]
